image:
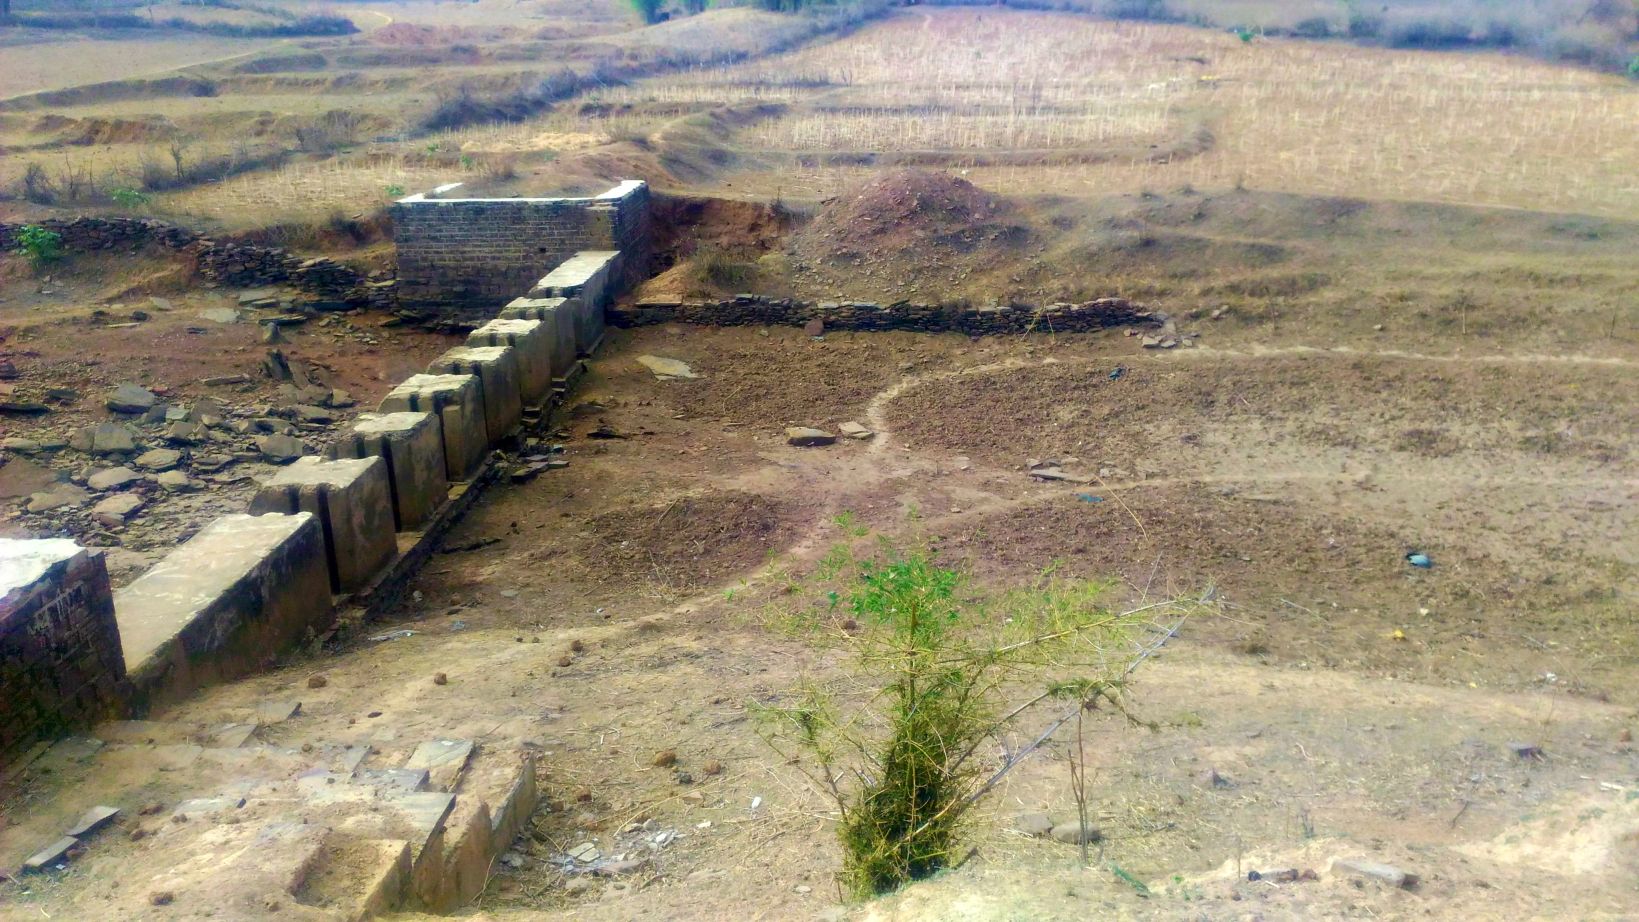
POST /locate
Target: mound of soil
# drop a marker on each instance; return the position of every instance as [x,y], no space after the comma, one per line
[909,233]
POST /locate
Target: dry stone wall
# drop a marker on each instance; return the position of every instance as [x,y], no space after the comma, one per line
[241,265]
[746,310]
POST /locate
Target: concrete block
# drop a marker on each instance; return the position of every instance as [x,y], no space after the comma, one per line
[588,276]
[456,401]
[532,345]
[61,664]
[411,445]
[496,368]
[558,316]
[354,505]
[223,604]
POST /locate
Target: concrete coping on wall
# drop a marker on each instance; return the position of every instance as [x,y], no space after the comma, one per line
[442,194]
[24,562]
[574,273]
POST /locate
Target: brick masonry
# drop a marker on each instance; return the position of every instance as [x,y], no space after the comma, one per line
[456,253]
[61,665]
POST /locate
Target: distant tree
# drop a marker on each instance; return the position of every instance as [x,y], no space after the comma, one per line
[647,10]
[695,7]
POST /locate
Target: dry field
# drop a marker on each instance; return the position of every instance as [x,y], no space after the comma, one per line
[1317,118]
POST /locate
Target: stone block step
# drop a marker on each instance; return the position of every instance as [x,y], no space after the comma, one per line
[356,879]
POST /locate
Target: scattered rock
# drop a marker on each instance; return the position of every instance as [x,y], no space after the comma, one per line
[1074,833]
[177,482]
[20,445]
[586,853]
[281,449]
[52,854]
[815,327]
[804,437]
[665,758]
[1211,779]
[317,681]
[440,678]
[1373,870]
[1528,751]
[852,430]
[219,315]
[272,336]
[114,510]
[104,439]
[23,407]
[161,898]
[666,369]
[112,479]
[130,398]
[1033,824]
[8,371]
[618,868]
[159,459]
[56,498]
[184,432]
[311,414]
[566,660]
[712,767]
[224,380]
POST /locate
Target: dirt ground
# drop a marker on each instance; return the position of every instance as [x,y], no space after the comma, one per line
[1351,706]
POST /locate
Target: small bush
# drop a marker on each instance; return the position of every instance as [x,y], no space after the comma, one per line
[39,244]
[126,197]
[1313,27]
[905,767]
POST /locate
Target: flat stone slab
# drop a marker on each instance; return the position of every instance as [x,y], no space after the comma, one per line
[51,855]
[269,713]
[93,820]
[444,761]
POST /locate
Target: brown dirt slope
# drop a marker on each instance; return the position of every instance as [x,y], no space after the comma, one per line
[908,228]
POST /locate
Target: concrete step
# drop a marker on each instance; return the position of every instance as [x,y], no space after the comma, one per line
[494,800]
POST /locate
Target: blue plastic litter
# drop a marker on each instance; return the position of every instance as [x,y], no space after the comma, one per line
[1089,498]
[1119,371]
[1421,561]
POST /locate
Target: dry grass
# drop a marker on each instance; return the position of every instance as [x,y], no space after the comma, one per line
[1305,117]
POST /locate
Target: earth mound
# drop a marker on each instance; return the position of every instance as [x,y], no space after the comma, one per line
[907,234]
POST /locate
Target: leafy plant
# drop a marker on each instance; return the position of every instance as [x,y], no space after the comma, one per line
[395,191]
[129,198]
[1246,35]
[40,245]
[950,674]
[1633,67]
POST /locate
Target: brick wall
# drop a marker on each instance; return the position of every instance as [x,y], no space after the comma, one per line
[484,252]
[61,665]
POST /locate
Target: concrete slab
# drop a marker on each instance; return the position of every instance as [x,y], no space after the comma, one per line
[223,604]
[354,505]
[496,368]
[531,343]
[456,401]
[558,316]
[412,447]
[51,855]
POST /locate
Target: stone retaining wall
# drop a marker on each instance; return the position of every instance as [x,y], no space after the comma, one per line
[242,265]
[926,318]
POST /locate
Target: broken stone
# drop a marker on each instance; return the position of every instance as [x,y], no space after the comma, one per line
[177,482]
[52,854]
[224,380]
[1033,824]
[804,437]
[112,479]
[666,369]
[1073,833]
[586,853]
[854,430]
[1373,870]
[93,820]
[130,398]
[1529,751]
[618,868]
[815,327]
[281,449]
[114,510]
[219,315]
[57,498]
[310,414]
[20,446]
[159,459]
[23,407]
[184,432]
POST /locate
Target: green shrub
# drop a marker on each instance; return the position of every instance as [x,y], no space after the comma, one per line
[948,675]
[646,10]
[39,244]
[129,198]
